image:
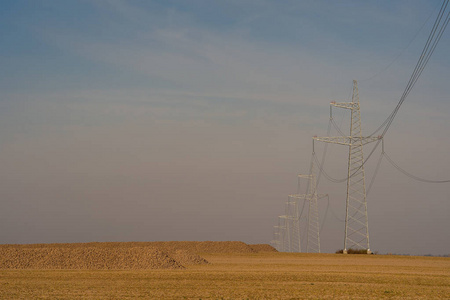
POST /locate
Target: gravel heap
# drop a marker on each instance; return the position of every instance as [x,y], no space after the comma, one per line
[186,257]
[205,247]
[90,258]
[262,248]
[192,246]
[117,255]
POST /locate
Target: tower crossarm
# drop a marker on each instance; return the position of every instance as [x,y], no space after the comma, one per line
[347,105]
[301,196]
[307,196]
[347,140]
[307,176]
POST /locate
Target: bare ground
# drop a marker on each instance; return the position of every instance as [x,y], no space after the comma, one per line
[117,255]
[246,275]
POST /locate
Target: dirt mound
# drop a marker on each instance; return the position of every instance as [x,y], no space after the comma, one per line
[117,255]
[186,257]
[262,248]
[92,258]
[204,247]
[192,246]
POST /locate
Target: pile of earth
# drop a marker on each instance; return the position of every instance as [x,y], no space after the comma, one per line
[262,248]
[117,255]
[90,258]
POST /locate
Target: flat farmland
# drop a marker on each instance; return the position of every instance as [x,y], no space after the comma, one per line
[245,276]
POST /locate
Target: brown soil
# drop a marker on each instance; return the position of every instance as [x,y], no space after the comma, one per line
[269,275]
[186,257]
[88,258]
[262,248]
[205,247]
[117,255]
[193,246]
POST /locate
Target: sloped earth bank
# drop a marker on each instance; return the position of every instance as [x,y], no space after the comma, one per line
[262,248]
[116,255]
[89,258]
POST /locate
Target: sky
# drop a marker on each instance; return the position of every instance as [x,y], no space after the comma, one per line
[190,120]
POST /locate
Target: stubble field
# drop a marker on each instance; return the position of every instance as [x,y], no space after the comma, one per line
[243,274]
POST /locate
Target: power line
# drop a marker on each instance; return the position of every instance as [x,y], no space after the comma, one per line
[431,44]
[334,214]
[401,52]
[374,174]
[323,156]
[337,128]
[327,176]
[410,175]
[325,214]
[425,56]
[427,52]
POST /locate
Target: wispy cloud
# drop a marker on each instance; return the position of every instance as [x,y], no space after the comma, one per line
[121,110]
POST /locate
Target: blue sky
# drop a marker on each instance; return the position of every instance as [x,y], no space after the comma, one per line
[176,120]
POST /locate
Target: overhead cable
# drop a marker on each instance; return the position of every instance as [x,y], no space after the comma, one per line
[410,175]
[401,52]
[374,174]
[434,37]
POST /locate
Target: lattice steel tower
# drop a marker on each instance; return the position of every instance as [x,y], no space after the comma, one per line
[287,232]
[356,221]
[313,229]
[313,235]
[289,227]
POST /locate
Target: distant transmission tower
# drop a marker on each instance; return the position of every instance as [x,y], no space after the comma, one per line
[287,232]
[287,237]
[313,234]
[356,221]
[281,234]
[313,228]
[276,241]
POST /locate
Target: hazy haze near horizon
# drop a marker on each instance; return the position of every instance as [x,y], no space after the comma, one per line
[173,120]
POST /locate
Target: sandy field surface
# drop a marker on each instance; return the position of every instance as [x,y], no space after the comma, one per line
[118,256]
[243,275]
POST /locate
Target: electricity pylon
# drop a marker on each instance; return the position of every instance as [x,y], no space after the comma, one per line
[287,237]
[356,221]
[312,231]
[293,219]
[313,228]
[285,234]
[277,234]
[289,228]
[282,234]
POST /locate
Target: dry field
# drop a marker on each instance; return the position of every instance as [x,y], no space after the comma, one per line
[243,273]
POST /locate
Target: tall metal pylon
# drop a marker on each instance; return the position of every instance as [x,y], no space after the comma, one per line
[282,234]
[313,233]
[356,220]
[277,236]
[293,218]
[289,227]
[312,225]
[287,235]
